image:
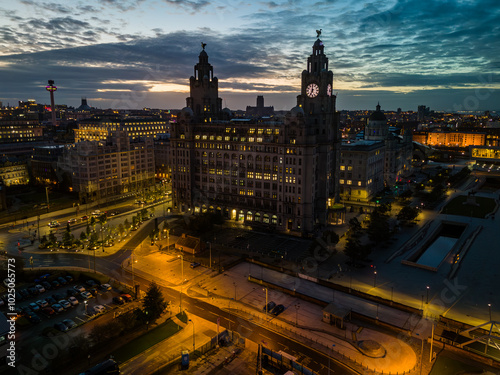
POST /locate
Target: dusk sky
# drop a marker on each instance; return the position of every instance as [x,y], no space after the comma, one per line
[141,53]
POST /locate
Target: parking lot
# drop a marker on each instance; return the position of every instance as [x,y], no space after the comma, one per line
[49,304]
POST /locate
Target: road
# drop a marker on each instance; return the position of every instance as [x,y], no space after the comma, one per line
[111,265]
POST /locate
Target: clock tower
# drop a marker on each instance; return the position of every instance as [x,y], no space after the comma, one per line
[316,98]
[322,129]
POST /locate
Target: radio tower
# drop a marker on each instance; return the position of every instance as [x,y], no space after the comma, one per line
[51,88]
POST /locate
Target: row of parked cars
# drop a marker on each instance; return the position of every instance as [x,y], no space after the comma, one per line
[273,308]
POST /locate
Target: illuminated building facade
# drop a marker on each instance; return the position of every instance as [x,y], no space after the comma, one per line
[277,174]
[99,127]
[450,139]
[116,166]
[377,161]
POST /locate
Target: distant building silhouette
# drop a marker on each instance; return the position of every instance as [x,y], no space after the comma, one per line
[259,110]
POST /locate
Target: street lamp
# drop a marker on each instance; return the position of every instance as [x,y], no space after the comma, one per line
[297,307]
[193,333]
[427,300]
[374,279]
[85,303]
[234,290]
[266,300]
[210,247]
[489,308]
[182,280]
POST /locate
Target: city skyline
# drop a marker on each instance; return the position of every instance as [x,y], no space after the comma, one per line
[137,54]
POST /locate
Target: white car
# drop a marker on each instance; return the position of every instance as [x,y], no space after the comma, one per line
[64,303]
[40,288]
[105,287]
[73,301]
[99,309]
[79,288]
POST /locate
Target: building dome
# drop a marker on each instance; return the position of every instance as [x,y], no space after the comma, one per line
[297,112]
[377,115]
[187,112]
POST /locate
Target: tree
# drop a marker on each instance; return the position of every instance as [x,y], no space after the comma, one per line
[378,229]
[83,236]
[408,213]
[52,238]
[355,250]
[354,226]
[126,224]
[121,229]
[153,303]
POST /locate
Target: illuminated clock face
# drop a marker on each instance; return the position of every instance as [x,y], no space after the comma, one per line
[312,90]
[329,90]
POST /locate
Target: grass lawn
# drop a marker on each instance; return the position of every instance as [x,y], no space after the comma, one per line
[140,344]
[458,207]
[448,366]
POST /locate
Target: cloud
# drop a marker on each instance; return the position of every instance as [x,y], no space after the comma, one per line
[401,47]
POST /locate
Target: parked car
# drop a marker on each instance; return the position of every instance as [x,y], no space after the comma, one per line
[33,291]
[33,318]
[42,278]
[90,282]
[69,278]
[85,295]
[73,301]
[99,308]
[55,284]
[57,307]
[48,310]
[278,310]
[62,280]
[105,287]
[50,300]
[93,291]
[126,297]
[118,300]
[42,303]
[46,285]
[60,326]
[195,264]
[72,221]
[34,307]
[84,218]
[65,304]
[57,296]
[24,293]
[72,292]
[79,288]
[271,305]
[69,323]
[25,311]
[40,288]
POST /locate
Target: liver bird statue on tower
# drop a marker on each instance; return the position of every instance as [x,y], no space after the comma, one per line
[203,45]
[318,32]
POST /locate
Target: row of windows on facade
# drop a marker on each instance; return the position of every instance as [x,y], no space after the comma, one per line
[359,183]
[111,175]
[258,184]
[242,147]
[251,193]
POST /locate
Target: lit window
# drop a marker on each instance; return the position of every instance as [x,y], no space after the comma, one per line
[341,181]
[359,183]
[349,182]
[342,167]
